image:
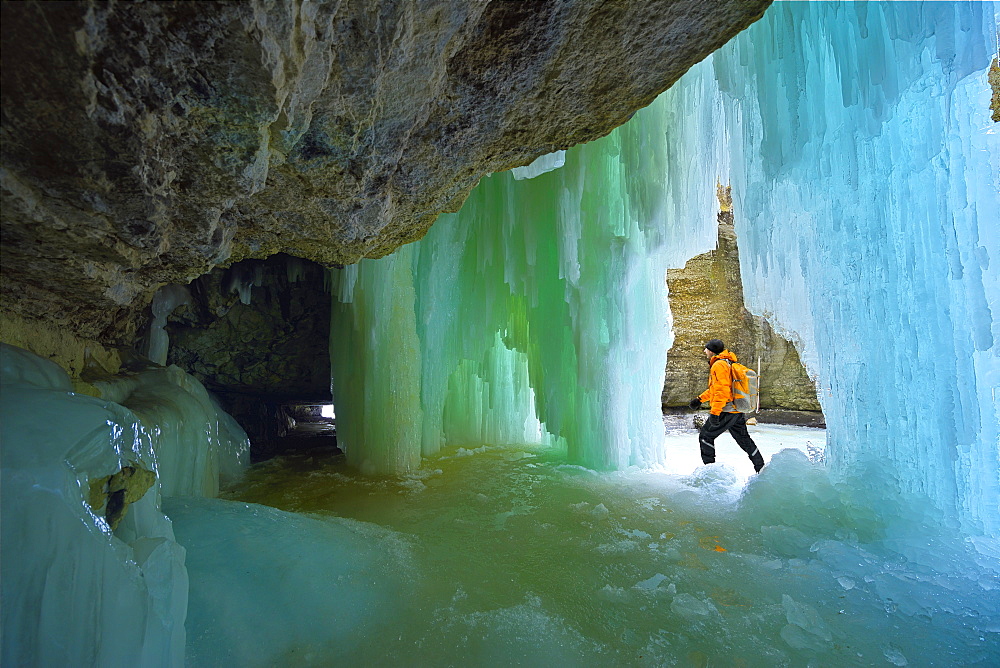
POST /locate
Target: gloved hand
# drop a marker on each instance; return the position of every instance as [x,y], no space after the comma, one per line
[694,404]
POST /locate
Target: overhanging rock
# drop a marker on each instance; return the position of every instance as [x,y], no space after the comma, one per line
[146,143]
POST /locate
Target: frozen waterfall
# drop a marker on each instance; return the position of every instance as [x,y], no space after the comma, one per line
[531,328]
[538,311]
[864,167]
[863,164]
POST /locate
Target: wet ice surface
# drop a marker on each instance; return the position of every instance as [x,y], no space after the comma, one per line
[508,556]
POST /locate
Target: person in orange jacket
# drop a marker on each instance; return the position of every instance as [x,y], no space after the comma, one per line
[724,415]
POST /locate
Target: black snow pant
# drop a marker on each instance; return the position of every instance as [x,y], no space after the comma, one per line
[735,424]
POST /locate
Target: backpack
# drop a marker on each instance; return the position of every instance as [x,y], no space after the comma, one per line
[746,388]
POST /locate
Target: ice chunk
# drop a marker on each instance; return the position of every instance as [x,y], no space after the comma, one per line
[609,593]
[541,165]
[691,607]
[652,583]
[805,629]
[894,656]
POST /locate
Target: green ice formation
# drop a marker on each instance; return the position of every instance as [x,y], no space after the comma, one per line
[863,162]
[536,314]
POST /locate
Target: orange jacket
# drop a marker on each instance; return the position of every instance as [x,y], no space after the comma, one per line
[720,384]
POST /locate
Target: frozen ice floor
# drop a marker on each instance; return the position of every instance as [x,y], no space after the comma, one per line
[496,556]
[683,455]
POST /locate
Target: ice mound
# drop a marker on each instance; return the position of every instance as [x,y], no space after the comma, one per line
[91,572]
[197,442]
[73,592]
[271,588]
[792,491]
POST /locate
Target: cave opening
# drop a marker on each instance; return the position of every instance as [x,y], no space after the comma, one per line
[256,334]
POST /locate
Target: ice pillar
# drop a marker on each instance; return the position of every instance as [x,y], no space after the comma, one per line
[864,170]
[540,308]
[376,359]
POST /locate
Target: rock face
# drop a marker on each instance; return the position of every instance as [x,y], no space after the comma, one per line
[994,79]
[706,299]
[113,494]
[146,143]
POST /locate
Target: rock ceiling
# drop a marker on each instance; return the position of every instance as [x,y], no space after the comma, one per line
[144,144]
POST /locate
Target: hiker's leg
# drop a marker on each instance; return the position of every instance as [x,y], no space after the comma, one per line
[742,437]
[714,426]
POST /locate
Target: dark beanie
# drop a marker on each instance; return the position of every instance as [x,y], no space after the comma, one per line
[716,346]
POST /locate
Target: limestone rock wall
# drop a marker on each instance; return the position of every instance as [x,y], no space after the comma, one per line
[84,360]
[144,144]
[706,300]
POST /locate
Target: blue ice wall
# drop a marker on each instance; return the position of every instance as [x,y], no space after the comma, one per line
[864,168]
[74,591]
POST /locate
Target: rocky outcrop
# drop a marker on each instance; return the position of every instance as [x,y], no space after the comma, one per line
[144,144]
[84,360]
[706,300]
[112,495]
[994,79]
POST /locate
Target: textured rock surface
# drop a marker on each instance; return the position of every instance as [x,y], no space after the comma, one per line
[994,78]
[706,299]
[112,495]
[146,143]
[83,359]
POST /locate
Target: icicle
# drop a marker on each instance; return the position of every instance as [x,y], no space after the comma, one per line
[242,280]
[541,165]
[295,269]
[166,299]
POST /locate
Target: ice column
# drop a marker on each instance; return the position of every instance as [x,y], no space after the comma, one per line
[376,361]
[539,308]
[166,299]
[864,169]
